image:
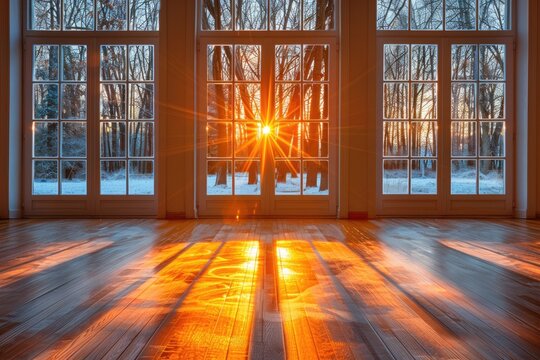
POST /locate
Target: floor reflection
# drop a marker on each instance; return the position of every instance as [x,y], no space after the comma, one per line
[276,289]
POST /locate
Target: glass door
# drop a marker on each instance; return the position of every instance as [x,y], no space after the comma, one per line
[267,128]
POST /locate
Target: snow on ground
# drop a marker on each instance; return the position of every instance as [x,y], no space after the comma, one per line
[290,187]
[137,186]
[460,185]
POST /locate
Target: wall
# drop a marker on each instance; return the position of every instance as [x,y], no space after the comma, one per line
[10,109]
[356,99]
[535,121]
[15,116]
[177,129]
[4,109]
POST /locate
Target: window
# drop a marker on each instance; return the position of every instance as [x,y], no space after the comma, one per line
[266,99]
[478,106]
[410,119]
[244,15]
[443,110]
[448,15]
[89,15]
[93,98]
[59,112]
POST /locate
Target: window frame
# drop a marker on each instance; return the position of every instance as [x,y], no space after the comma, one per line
[268,203]
[444,203]
[93,203]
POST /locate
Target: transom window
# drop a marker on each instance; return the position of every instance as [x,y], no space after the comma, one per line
[455,15]
[89,15]
[241,15]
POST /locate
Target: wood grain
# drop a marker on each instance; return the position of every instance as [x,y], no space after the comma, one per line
[269,289]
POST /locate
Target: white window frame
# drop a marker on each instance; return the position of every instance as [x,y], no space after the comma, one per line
[93,204]
[267,204]
[444,203]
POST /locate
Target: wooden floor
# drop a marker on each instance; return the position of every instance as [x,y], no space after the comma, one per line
[270,289]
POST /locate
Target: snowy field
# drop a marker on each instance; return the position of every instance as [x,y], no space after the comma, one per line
[137,186]
[290,187]
[462,185]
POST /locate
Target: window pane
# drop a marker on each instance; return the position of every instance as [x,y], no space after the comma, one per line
[315,178]
[113,101]
[318,14]
[73,139]
[219,178]
[285,14]
[141,63]
[396,138]
[395,177]
[424,60]
[495,14]
[217,15]
[492,139]
[464,62]
[392,14]
[247,102]
[219,139]
[113,178]
[460,14]
[219,62]
[45,177]
[316,102]
[424,176]
[78,14]
[316,62]
[426,14]
[463,138]
[247,62]
[73,180]
[247,178]
[287,140]
[141,177]
[144,15]
[247,138]
[491,102]
[220,102]
[396,101]
[288,67]
[315,139]
[73,102]
[396,62]
[287,177]
[113,139]
[141,139]
[424,138]
[288,101]
[463,101]
[111,15]
[463,177]
[45,139]
[492,177]
[424,101]
[45,15]
[141,101]
[74,59]
[45,101]
[251,15]
[113,63]
[45,62]
[492,62]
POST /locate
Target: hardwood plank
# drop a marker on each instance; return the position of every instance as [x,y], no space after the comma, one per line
[269,289]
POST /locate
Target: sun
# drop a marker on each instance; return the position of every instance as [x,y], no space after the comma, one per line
[266,130]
